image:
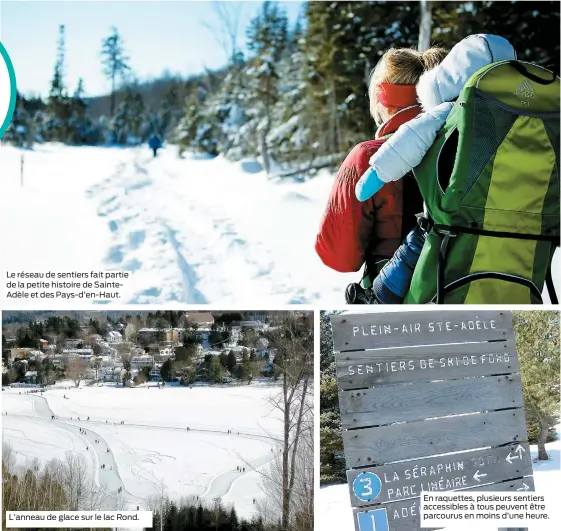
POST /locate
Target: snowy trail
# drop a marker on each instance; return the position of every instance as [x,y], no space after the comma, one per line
[108,479]
[188,237]
[191,230]
[221,485]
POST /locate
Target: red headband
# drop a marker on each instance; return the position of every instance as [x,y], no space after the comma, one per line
[396,96]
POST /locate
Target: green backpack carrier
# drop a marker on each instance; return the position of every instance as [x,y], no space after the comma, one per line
[490,183]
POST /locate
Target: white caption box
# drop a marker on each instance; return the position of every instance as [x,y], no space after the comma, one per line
[79,519]
[463,511]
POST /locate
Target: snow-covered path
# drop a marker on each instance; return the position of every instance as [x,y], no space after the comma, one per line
[192,230]
[97,449]
[108,479]
[221,485]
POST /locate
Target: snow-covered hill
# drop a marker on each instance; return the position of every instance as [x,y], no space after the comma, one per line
[153,446]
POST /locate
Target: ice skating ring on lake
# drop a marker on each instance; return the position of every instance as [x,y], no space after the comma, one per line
[132,449]
[7,90]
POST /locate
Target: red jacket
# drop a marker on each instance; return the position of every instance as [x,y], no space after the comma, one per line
[350,229]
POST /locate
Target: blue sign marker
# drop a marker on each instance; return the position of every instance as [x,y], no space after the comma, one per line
[367,486]
[376,520]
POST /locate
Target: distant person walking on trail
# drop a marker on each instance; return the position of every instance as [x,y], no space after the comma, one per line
[155,143]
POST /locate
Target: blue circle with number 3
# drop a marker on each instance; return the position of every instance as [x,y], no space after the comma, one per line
[367,486]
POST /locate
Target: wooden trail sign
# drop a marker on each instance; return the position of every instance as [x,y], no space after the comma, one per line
[430,401]
[448,472]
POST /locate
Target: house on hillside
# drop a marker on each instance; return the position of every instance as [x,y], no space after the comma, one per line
[83,353]
[112,374]
[113,337]
[11,340]
[137,362]
[58,360]
[201,319]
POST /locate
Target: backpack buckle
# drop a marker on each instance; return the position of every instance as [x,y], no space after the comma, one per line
[424,223]
[447,234]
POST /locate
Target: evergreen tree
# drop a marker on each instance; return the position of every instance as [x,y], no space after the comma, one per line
[120,125]
[80,127]
[20,131]
[216,370]
[138,126]
[247,368]
[168,117]
[267,40]
[233,519]
[332,463]
[166,370]
[54,126]
[127,368]
[232,361]
[115,62]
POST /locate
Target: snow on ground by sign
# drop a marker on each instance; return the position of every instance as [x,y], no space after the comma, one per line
[334,504]
[192,230]
[153,446]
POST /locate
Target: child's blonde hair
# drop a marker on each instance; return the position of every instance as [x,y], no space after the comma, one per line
[401,66]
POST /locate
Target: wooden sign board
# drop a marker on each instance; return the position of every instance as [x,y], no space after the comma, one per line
[408,440]
[414,386]
[402,329]
[384,405]
[456,471]
[367,368]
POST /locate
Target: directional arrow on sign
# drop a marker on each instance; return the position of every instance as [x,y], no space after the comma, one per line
[525,487]
[477,475]
[518,454]
[511,458]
